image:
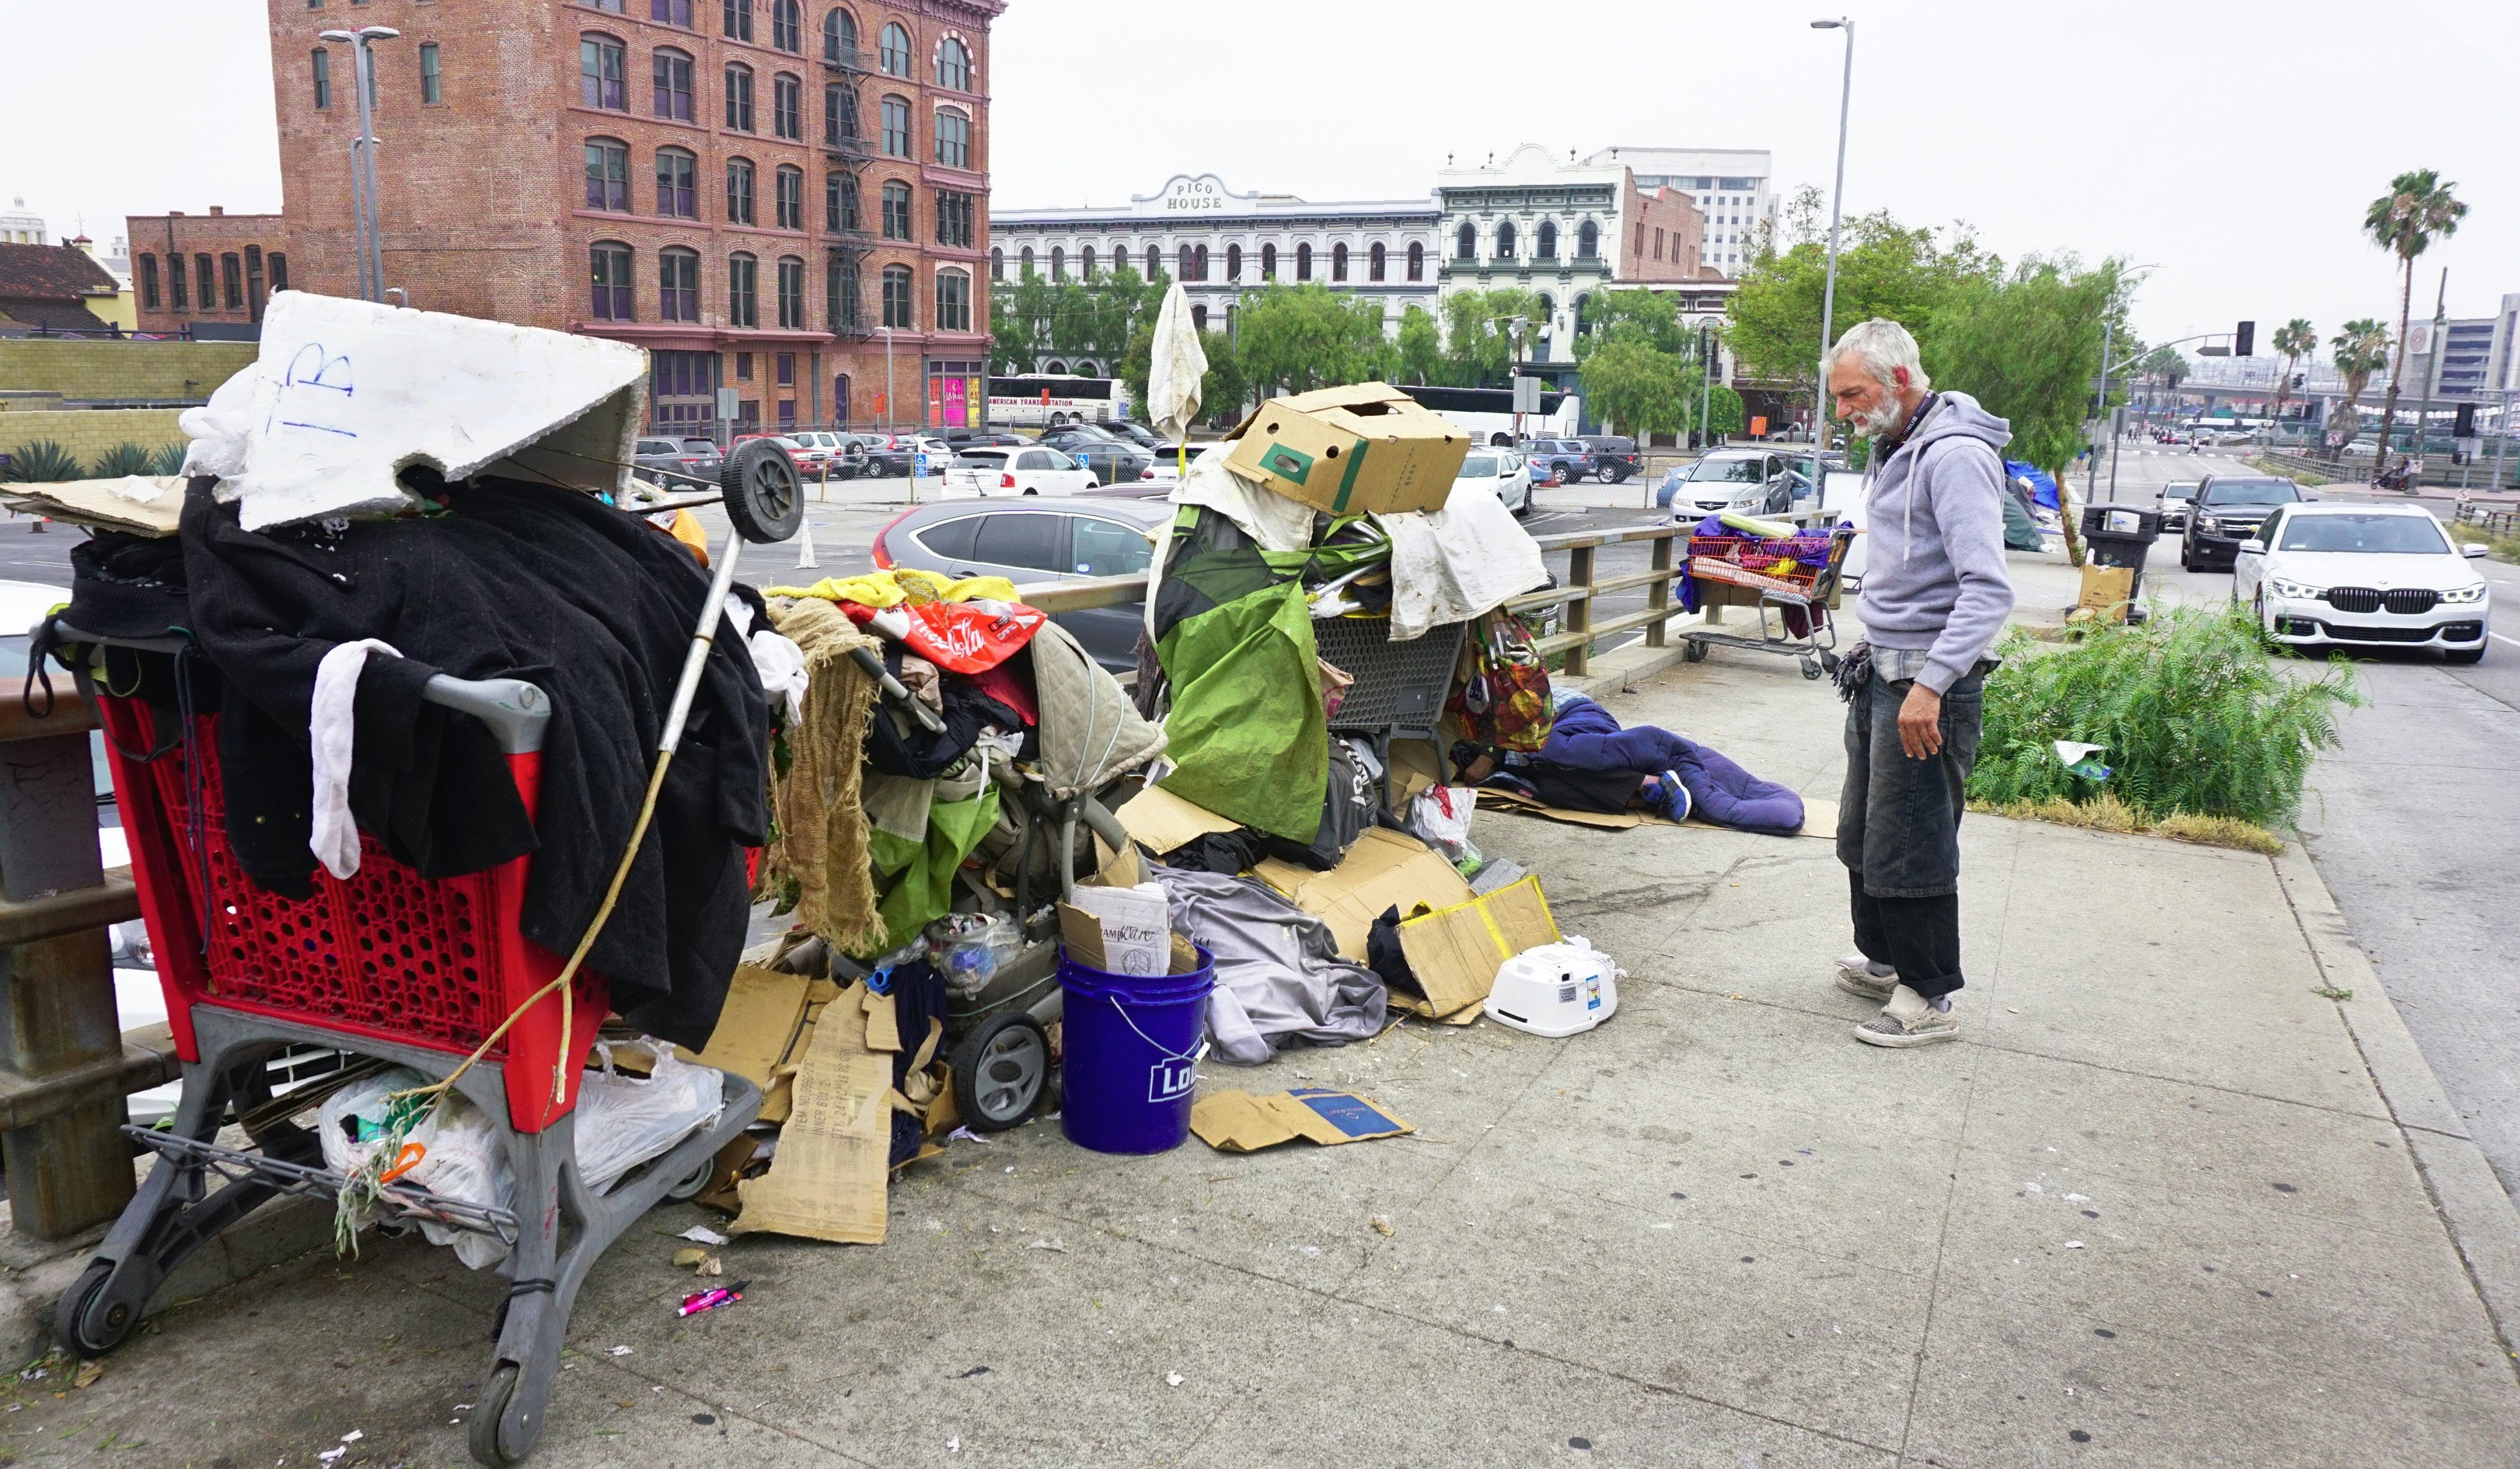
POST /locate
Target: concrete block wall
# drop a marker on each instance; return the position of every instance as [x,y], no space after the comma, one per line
[90,432]
[120,370]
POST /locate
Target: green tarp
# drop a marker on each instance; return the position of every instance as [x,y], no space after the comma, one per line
[925,891]
[1246,729]
[2020,532]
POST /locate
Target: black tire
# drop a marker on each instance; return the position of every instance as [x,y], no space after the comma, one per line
[1811,668]
[1694,651]
[1523,509]
[2474,654]
[498,1396]
[69,1318]
[1000,1072]
[1608,476]
[765,499]
[1560,477]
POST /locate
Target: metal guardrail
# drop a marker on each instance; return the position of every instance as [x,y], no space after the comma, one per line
[2496,520]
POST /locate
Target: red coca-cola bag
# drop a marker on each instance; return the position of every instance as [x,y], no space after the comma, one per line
[958,637]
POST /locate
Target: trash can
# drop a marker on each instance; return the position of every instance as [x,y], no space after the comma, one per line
[2119,535]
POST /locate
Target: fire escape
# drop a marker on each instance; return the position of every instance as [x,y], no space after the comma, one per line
[848,149]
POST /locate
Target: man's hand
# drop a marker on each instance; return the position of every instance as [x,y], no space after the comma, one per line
[1921,722]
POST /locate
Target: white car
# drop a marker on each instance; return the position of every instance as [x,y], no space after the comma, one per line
[1753,482]
[1504,473]
[2363,576]
[994,470]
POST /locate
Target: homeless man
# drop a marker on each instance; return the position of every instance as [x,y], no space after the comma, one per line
[1934,599]
[1591,763]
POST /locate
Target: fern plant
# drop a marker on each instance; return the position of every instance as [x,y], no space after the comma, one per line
[168,461]
[2191,716]
[43,462]
[122,459]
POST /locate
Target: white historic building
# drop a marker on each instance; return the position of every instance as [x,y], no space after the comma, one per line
[1220,243]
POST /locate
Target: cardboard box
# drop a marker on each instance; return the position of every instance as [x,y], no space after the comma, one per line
[1161,821]
[2107,591]
[1130,930]
[1384,870]
[1367,447]
[1456,952]
[1238,1121]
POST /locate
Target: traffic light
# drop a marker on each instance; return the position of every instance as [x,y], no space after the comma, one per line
[2464,423]
[2246,340]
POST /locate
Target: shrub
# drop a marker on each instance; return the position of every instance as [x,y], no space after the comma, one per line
[43,462]
[168,461]
[2192,719]
[122,459]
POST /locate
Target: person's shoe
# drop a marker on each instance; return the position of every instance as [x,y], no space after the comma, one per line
[1863,979]
[1909,1019]
[1669,798]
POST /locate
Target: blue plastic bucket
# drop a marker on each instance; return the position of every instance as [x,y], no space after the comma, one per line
[1132,1043]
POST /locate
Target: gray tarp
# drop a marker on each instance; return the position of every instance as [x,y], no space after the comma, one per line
[1279,976]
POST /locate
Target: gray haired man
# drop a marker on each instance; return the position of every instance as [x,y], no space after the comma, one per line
[1935,595]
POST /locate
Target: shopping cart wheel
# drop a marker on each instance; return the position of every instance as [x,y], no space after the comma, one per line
[1811,668]
[491,1444]
[87,1323]
[690,1188]
[1000,1071]
[1695,651]
[764,496]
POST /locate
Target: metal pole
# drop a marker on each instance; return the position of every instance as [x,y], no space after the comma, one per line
[1836,204]
[2091,479]
[358,172]
[1705,386]
[2432,374]
[372,257]
[2502,436]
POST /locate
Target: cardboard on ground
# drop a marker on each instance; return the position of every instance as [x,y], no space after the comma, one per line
[1162,820]
[2107,591]
[828,1179]
[1238,1121]
[1367,447]
[1456,952]
[1820,816]
[1384,870]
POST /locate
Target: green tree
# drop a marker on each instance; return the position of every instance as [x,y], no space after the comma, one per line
[2360,350]
[1295,338]
[2027,348]
[1724,413]
[1478,347]
[2166,366]
[1422,346]
[2295,340]
[1636,388]
[1883,269]
[2417,210]
[1644,318]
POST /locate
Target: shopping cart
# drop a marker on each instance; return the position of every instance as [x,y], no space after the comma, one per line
[1399,688]
[385,965]
[1791,596]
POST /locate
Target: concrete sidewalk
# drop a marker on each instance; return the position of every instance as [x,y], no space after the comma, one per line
[2163,1205]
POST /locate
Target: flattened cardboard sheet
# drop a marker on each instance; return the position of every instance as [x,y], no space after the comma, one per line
[1238,1122]
[1456,952]
[1162,820]
[1384,870]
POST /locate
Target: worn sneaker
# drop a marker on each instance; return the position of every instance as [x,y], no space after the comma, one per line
[1668,799]
[1909,1019]
[1863,979]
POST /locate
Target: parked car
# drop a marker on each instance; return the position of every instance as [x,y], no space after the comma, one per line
[2177,498]
[1499,472]
[678,461]
[840,457]
[898,453]
[987,470]
[1112,460]
[1035,541]
[984,438]
[1139,434]
[2229,509]
[808,460]
[1755,481]
[2363,576]
[1615,460]
[1565,461]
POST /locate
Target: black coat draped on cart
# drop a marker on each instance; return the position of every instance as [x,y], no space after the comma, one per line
[517,581]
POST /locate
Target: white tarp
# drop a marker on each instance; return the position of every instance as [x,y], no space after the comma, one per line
[1177,368]
[346,393]
[1449,565]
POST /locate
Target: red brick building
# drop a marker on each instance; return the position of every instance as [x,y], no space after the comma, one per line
[208,274]
[759,192]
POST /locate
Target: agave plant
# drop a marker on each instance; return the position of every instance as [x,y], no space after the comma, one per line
[168,461]
[122,459]
[43,462]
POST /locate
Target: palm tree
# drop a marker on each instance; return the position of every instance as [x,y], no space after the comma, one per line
[2362,349]
[2165,366]
[2295,340]
[2416,210]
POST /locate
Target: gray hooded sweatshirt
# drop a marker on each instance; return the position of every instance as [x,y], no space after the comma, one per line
[1934,575]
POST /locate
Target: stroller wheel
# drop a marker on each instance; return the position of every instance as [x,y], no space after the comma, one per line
[1000,1071]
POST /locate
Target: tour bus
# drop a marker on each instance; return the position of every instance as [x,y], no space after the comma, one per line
[1050,400]
[1487,413]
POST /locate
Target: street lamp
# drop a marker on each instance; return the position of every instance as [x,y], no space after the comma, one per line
[1515,327]
[1836,202]
[363,157]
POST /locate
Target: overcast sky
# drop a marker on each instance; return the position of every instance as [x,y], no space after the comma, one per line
[2233,146]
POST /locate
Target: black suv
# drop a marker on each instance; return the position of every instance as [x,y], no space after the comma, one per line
[1614,460]
[2228,509]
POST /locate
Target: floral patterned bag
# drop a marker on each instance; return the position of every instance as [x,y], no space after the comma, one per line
[1504,702]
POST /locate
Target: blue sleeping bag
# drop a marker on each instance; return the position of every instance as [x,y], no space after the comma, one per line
[1587,738]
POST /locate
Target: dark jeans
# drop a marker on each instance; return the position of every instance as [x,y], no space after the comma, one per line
[1899,832]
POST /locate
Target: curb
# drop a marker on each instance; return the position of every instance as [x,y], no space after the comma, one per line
[2474,1210]
[277,1232]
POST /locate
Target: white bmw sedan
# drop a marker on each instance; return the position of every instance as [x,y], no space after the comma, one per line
[2363,576]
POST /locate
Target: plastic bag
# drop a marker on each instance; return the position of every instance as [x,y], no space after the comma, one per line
[960,636]
[1440,817]
[968,947]
[624,1121]
[1505,701]
[454,1151]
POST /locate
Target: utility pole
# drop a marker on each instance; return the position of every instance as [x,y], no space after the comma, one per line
[367,216]
[1705,386]
[1836,204]
[2432,374]
[2091,479]
[2501,437]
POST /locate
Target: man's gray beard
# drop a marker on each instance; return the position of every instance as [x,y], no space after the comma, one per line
[1883,420]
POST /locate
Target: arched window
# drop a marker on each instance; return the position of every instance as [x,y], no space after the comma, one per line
[839,113]
[739,191]
[896,211]
[678,172]
[1027,260]
[840,39]
[1548,249]
[610,262]
[1338,261]
[738,19]
[1588,241]
[603,74]
[1544,326]
[791,293]
[1085,262]
[1198,317]
[787,106]
[840,203]
[1054,367]
[1583,315]
[1234,262]
[1466,246]
[1185,264]
[1058,262]
[787,26]
[900,310]
[678,285]
[608,174]
[953,138]
[1268,262]
[1377,263]
[739,98]
[997,263]
[1119,257]
[841,305]
[896,127]
[954,65]
[791,198]
[1506,240]
[1200,263]
[673,79]
[743,290]
[1416,260]
[893,55]
[953,300]
[1304,261]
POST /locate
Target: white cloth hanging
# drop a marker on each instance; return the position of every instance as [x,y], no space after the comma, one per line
[1449,565]
[333,835]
